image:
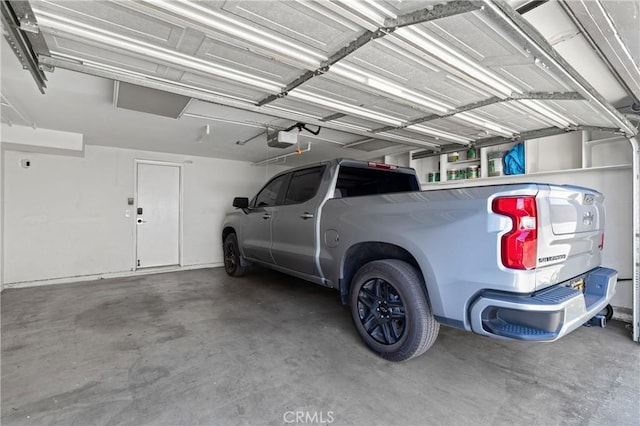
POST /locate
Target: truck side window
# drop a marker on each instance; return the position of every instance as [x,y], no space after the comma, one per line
[269,194]
[304,185]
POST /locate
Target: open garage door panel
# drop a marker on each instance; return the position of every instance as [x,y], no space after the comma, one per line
[425,75]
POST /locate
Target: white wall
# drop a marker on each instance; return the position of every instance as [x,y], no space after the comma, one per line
[617,152]
[554,153]
[1,217]
[64,217]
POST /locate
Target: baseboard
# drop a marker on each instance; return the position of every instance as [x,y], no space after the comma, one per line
[107,275]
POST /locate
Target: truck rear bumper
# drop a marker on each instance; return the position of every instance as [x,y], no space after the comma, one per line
[546,315]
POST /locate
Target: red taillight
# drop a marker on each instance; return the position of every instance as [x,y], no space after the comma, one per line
[519,245]
[382,166]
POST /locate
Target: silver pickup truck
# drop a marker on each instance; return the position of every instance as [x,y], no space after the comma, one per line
[515,261]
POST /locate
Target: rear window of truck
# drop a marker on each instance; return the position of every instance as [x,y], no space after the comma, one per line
[356,181]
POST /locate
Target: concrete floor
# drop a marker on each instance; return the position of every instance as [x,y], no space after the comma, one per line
[198,347]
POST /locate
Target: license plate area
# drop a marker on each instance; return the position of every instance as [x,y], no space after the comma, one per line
[578,284]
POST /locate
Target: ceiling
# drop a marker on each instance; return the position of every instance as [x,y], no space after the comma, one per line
[377,77]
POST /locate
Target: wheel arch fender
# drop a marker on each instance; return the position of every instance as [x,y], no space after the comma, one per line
[229,229]
[226,230]
[364,252]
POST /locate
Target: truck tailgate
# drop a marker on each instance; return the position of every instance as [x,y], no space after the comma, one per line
[570,241]
[575,210]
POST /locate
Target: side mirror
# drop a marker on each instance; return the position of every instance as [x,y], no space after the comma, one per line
[241,202]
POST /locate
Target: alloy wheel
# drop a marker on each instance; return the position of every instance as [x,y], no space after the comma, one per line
[381,311]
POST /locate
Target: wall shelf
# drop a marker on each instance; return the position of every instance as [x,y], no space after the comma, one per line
[493,180]
[563,154]
[472,161]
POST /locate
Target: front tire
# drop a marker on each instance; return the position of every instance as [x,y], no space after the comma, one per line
[232,258]
[390,310]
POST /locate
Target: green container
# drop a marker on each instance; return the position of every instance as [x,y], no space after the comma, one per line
[433,177]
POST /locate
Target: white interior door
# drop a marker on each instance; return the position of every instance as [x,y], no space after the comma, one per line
[158,215]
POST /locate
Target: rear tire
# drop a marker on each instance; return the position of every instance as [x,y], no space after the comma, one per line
[608,312]
[232,257]
[390,310]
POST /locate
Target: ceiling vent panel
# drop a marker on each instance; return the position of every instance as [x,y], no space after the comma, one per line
[151,101]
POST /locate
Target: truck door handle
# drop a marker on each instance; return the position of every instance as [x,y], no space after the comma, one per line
[142,221]
[305,216]
[266,216]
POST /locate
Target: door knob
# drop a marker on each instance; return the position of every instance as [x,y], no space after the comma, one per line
[142,221]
